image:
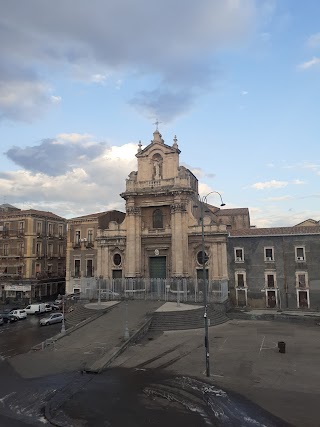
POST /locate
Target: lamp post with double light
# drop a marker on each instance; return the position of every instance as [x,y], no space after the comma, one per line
[203,201]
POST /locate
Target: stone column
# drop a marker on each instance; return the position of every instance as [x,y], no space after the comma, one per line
[98,267]
[224,260]
[133,244]
[179,262]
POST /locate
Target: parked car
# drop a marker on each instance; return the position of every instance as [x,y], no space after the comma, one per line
[53,318]
[73,297]
[19,314]
[35,308]
[1,320]
[8,317]
[47,307]
[57,305]
[108,293]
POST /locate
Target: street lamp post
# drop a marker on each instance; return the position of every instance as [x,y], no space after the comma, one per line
[203,200]
[63,326]
[99,290]
[126,328]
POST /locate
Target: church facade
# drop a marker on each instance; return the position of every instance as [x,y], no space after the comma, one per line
[160,234]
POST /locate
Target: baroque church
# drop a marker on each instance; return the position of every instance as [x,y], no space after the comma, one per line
[160,234]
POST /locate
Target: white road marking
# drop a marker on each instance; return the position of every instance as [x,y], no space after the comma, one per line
[262,343]
[6,397]
[222,345]
[275,345]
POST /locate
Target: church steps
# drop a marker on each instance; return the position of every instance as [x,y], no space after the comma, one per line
[188,319]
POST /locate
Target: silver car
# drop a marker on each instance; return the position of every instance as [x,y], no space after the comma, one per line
[53,318]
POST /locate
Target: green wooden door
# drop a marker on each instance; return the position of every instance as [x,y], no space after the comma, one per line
[158,267]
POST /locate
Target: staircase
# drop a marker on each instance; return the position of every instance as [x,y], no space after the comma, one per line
[188,319]
[78,314]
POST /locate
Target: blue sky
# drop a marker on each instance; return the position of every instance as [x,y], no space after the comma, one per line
[237,81]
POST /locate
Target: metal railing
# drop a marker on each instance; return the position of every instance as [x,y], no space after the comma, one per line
[182,290]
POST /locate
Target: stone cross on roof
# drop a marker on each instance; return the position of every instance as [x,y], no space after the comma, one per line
[157,124]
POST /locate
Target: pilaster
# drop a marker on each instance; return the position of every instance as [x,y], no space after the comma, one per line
[133,248]
[179,225]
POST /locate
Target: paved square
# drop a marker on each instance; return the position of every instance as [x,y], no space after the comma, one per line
[244,357]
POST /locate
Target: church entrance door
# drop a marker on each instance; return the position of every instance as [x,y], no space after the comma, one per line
[158,267]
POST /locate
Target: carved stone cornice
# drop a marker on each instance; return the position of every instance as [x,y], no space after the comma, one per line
[178,207]
[132,210]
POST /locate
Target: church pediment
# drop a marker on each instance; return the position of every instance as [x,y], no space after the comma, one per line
[165,149]
[158,144]
[158,169]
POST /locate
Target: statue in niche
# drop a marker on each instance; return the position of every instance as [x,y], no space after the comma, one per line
[157,167]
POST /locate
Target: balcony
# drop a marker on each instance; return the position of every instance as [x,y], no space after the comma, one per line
[89,245]
[76,245]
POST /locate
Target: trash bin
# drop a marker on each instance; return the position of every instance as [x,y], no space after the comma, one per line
[282,346]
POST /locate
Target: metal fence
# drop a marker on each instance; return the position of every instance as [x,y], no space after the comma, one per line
[180,290]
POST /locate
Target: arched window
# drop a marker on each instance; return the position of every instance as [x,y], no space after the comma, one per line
[157,219]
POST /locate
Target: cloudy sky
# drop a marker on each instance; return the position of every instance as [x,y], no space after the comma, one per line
[238,82]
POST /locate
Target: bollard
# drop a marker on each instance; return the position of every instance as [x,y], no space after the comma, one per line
[282,346]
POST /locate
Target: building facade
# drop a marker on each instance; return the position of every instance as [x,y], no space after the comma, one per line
[33,251]
[275,267]
[155,246]
[82,254]
[160,234]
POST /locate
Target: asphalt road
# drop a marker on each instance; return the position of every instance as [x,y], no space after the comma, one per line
[19,337]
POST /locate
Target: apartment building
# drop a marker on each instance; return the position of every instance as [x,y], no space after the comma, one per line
[32,253]
[275,267]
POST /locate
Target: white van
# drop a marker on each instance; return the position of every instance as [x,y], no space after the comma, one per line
[36,308]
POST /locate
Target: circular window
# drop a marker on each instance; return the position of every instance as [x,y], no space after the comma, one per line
[117,259]
[200,258]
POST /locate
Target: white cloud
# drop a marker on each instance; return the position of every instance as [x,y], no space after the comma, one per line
[308,64]
[269,184]
[277,217]
[98,39]
[313,41]
[92,184]
[74,138]
[298,182]
[99,78]
[244,92]
[23,99]
[56,99]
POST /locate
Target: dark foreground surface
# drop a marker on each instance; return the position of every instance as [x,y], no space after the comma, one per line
[160,381]
[139,398]
[124,397]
